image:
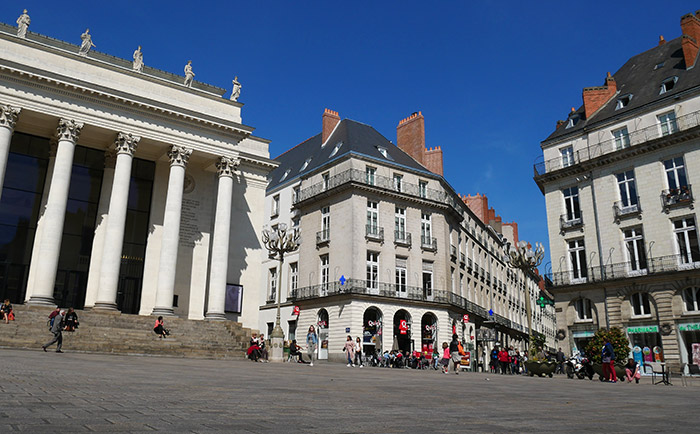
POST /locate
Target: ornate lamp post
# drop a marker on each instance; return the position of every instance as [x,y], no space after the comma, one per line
[278,242]
[524,258]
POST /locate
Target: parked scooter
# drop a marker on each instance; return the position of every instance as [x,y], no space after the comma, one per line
[578,366]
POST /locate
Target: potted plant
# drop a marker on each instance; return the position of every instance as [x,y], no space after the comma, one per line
[621,346]
[537,363]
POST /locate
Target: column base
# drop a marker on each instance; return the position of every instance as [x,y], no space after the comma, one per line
[105,306]
[215,316]
[164,311]
[41,301]
[277,350]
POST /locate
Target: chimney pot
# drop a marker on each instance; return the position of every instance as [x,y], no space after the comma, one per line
[662,41]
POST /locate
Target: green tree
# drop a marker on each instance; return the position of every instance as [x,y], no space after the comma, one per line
[537,341]
[620,343]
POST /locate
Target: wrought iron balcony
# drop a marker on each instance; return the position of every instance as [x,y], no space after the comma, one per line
[675,197]
[621,210]
[402,238]
[567,222]
[428,243]
[323,237]
[374,233]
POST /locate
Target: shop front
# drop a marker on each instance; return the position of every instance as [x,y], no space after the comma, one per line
[322,330]
[372,331]
[689,336]
[645,345]
[402,331]
[581,339]
[429,329]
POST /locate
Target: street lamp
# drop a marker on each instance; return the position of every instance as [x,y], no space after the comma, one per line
[278,242]
[524,258]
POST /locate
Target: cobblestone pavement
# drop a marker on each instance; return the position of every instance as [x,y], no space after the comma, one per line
[71,392]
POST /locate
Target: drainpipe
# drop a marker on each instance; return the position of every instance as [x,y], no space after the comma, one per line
[600,249]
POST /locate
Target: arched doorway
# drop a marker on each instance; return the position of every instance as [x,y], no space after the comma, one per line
[322,327]
[429,332]
[402,331]
[372,331]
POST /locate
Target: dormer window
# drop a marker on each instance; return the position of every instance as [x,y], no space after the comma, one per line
[572,121]
[623,101]
[305,165]
[668,84]
[286,173]
[336,149]
[659,66]
[384,152]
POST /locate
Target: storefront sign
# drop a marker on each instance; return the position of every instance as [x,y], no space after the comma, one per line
[466,317]
[430,328]
[371,323]
[689,327]
[347,329]
[403,327]
[645,329]
[582,334]
[295,311]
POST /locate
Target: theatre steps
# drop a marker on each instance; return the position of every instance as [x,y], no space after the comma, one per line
[118,333]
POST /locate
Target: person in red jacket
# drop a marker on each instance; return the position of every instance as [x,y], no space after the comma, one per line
[503,360]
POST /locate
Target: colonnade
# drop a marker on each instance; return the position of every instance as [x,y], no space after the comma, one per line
[47,243]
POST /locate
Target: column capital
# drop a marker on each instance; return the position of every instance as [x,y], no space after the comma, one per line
[226,166]
[126,143]
[179,155]
[69,130]
[8,116]
[110,159]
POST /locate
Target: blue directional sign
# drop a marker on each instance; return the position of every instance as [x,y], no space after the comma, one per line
[342,280]
[490,312]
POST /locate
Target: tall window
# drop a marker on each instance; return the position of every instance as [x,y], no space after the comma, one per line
[425,229]
[401,275]
[325,274]
[567,156]
[571,203]
[398,182]
[400,223]
[423,189]
[675,173]
[372,216]
[326,180]
[622,138]
[275,205]
[687,239]
[667,121]
[427,279]
[372,270]
[640,304]
[583,309]
[295,194]
[370,173]
[293,276]
[634,241]
[326,222]
[577,256]
[627,188]
[691,297]
[273,284]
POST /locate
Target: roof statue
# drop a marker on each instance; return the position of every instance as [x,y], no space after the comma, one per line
[189,75]
[87,43]
[22,24]
[236,89]
[138,60]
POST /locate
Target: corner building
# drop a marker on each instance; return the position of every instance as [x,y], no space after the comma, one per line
[619,177]
[124,190]
[389,251]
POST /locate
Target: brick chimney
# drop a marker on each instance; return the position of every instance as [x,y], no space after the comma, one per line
[330,120]
[410,136]
[662,41]
[432,160]
[690,25]
[479,205]
[595,97]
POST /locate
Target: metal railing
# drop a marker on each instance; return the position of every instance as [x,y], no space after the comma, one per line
[402,238]
[462,258]
[453,252]
[676,197]
[323,236]
[620,210]
[623,270]
[469,263]
[636,138]
[373,232]
[565,223]
[428,243]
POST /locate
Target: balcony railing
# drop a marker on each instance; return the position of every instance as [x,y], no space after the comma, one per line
[323,237]
[674,197]
[566,222]
[469,263]
[621,210]
[636,138]
[402,238]
[374,233]
[453,252]
[624,270]
[428,243]
[462,258]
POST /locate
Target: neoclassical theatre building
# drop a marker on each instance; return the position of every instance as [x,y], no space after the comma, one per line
[123,187]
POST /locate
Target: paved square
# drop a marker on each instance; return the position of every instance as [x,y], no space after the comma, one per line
[72,392]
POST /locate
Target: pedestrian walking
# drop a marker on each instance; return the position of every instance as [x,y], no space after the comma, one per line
[57,330]
[503,360]
[311,343]
[445,361]
[560,361]
[454,353]
[608,359]
[349,349]
[358,352]
[493,365]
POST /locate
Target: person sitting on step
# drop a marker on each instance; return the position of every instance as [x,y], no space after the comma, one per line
[6,312]
[263,348]
[71,320]
[160,329]
[253,351]
[295,351]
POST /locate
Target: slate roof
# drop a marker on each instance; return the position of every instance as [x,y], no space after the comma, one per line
[355,136]
[639,77]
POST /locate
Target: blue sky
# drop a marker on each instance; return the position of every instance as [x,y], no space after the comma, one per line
[491,78]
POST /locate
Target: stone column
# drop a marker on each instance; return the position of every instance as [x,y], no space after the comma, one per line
[98,240]
[218,266]
[8,119]
[124,146]
[55,214]
[179,155]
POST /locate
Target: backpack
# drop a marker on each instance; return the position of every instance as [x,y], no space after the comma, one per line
[50,322]
[460,348]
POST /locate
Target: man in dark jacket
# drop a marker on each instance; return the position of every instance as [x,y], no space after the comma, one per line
[608,359]
[57,330]
[560,361]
